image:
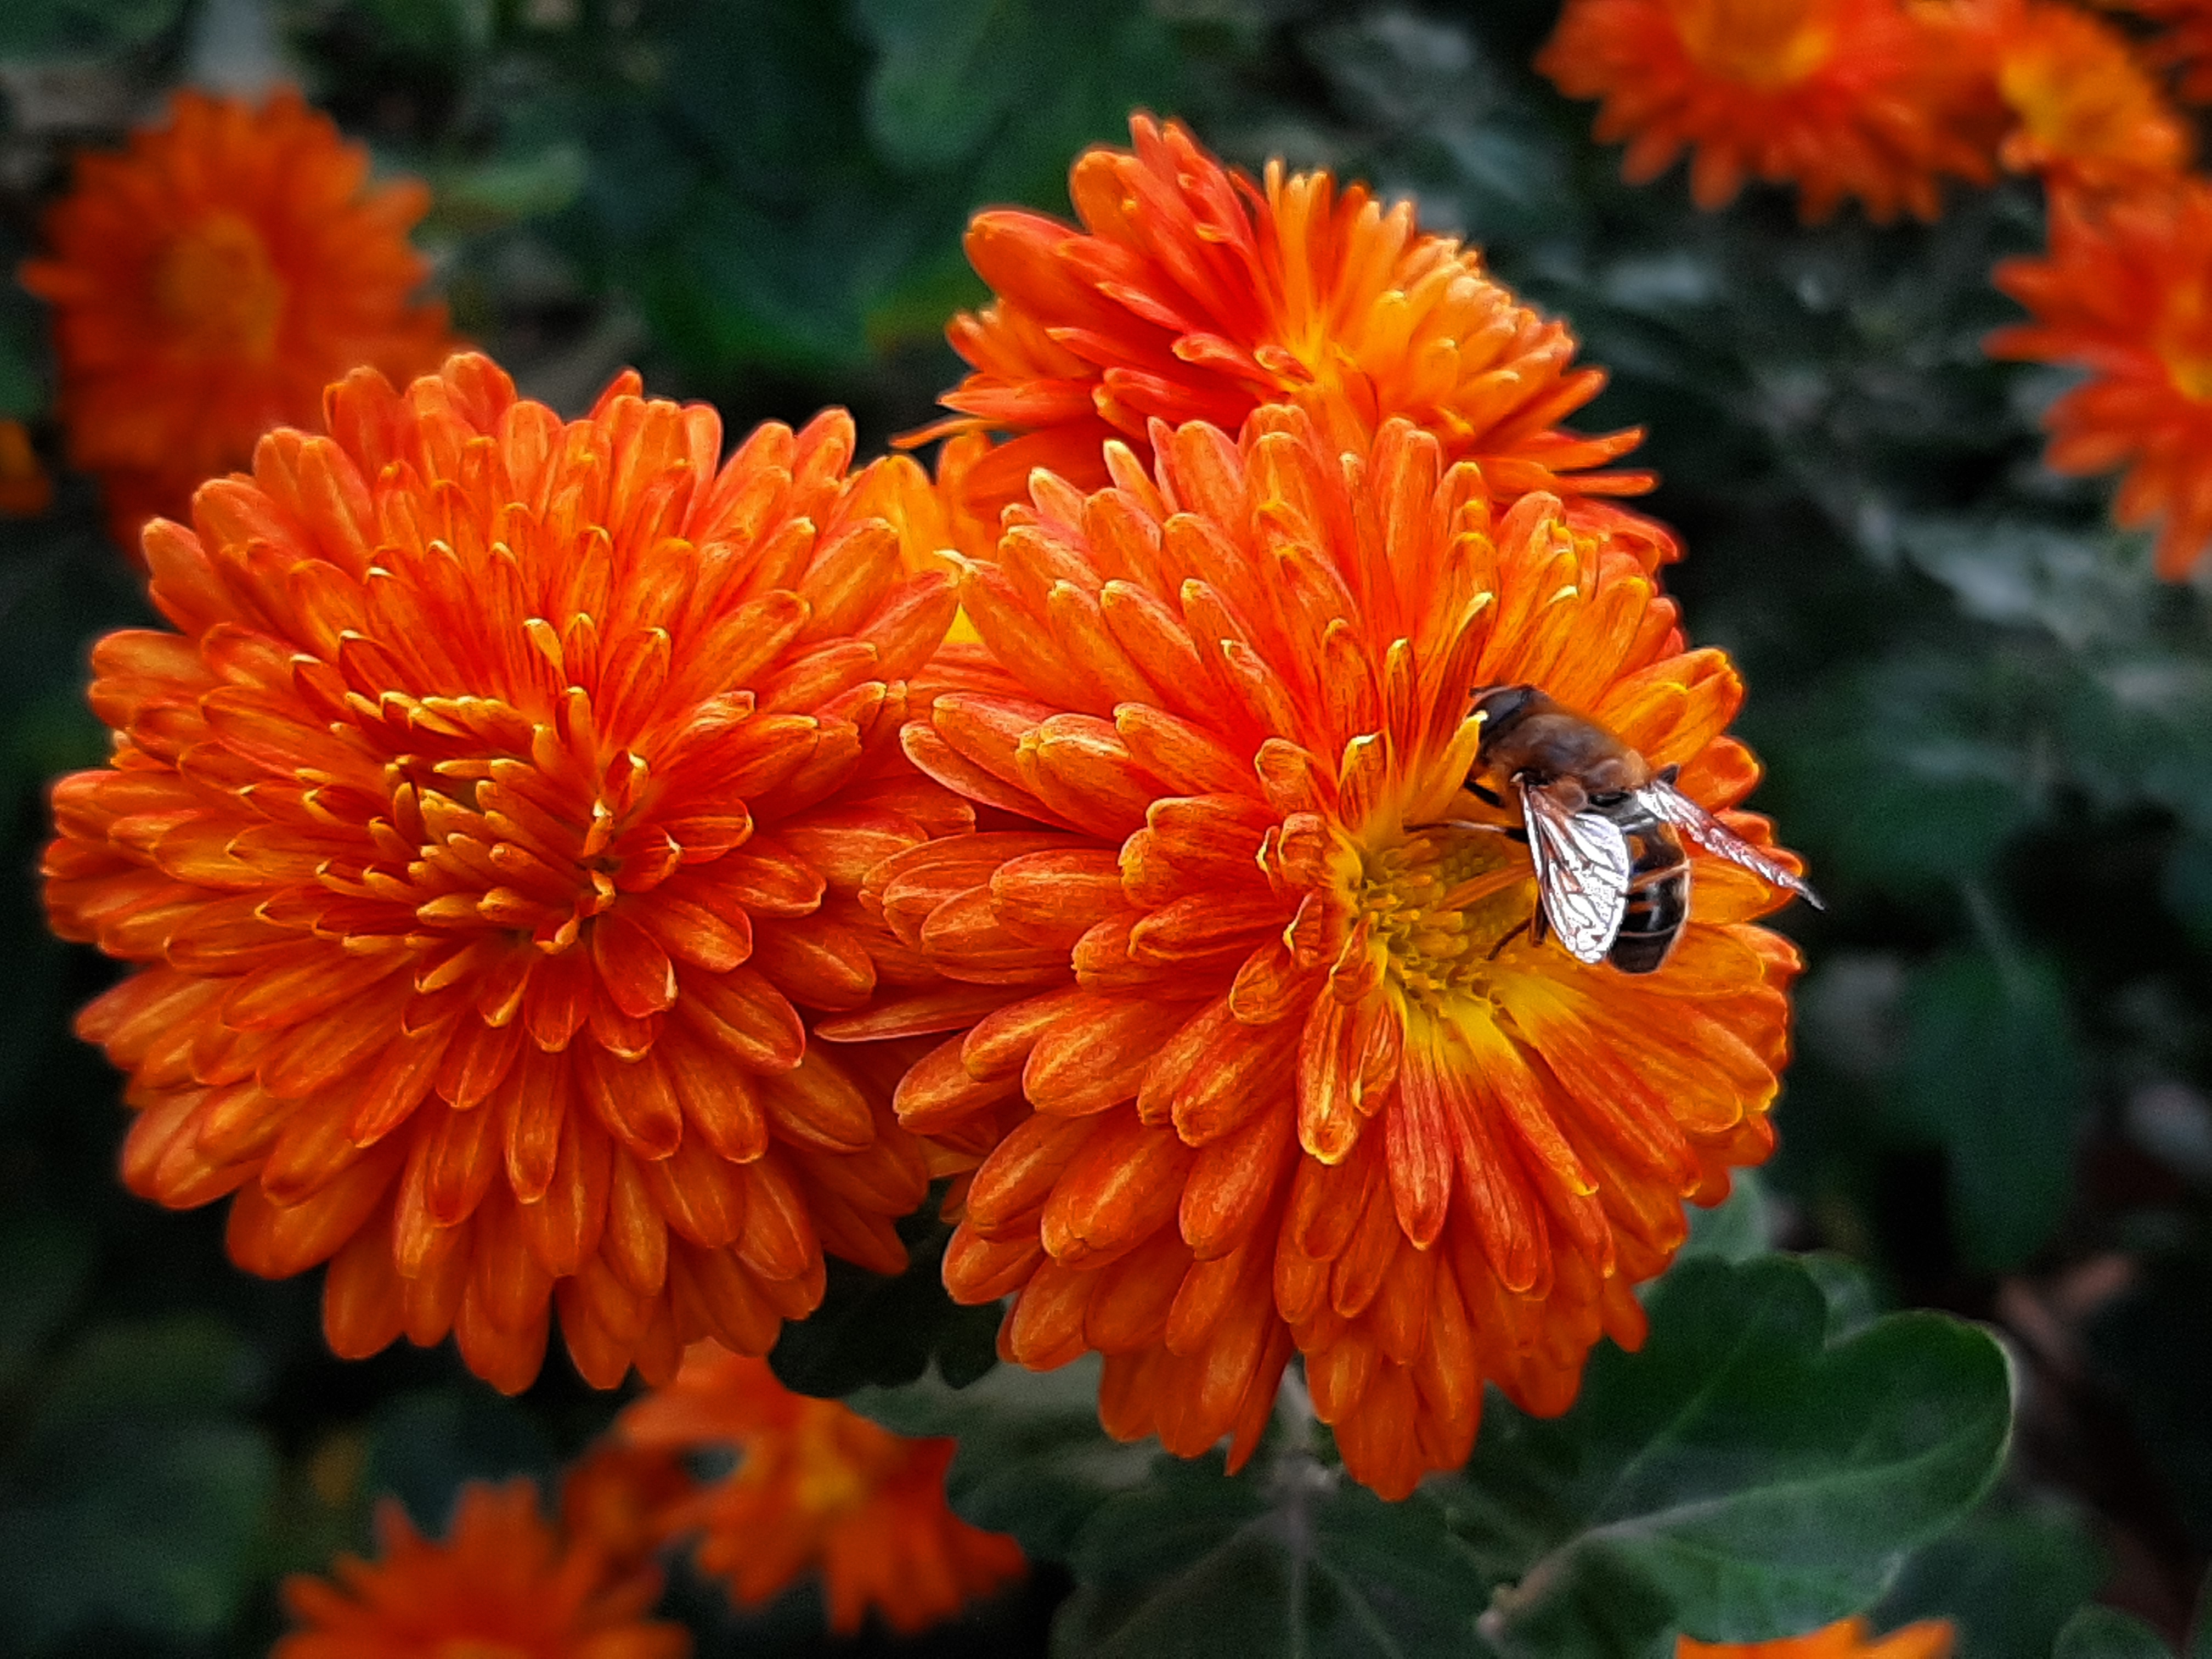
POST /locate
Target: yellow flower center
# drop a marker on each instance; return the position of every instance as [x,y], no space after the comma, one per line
[475,1646]
[829,1480]
[1764,43]
[2184,340]
[218,288]
[1438,905]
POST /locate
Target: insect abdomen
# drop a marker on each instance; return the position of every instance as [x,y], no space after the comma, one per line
[1658,893]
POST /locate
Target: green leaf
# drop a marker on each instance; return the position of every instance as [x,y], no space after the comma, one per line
[1992,1074]
[1736,1230]
[1033,1461]
[2006,1577]
[1848,1288]
[503,191]
[874,1329]
[1173,1558]
[944,78]
[2106,1633]
[1743,1478]
[1307,1563]
[51,27]
[441,29]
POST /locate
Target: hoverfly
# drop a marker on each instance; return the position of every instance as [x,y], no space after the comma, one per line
[1605,830]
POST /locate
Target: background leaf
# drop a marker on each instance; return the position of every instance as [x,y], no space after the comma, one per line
[2103,1633]
[874,1329]
[1741,1474]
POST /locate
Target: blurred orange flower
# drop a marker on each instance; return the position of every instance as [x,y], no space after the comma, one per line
[2080,109]
[25,488]
[501,1585]
[818,1486]
[1848,1638]
[614,1496]
[1191,292]
[210,280]
[1278,1063]
[1842,98]
[2126,294]
[2183,44]
[501,797]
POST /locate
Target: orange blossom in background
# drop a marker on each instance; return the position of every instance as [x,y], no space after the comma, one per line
[1190,292]
[2183,44]
[2077,106]
[2125,292]
[1847,1639]
[499,800]
[817,1486]
[1279,1065]
[502,1586]
[1842,98]
[209,280]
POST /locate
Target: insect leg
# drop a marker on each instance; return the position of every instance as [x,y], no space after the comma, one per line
[1532,925]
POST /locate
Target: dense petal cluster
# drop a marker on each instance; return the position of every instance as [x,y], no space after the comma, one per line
[503,1585]
[1842,98]
[501,798]
[2079,108]
[1277,1064]
[817,1487]
[2125,293]
[210,281]
[1847,1639]
[1190,292]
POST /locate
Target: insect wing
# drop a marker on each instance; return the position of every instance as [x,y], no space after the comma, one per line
[1582,873]
[1709,832]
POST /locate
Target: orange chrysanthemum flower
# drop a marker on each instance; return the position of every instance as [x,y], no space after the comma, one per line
[209,281]
[2183,44]
[502,1586]
[1279,1064]
[1847,1639]
[1840,97]
[2126,293]
[816,1485]
[2080,109]
[501,798]
[1191,292]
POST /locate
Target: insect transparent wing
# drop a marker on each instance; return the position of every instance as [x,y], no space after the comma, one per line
[1709,832]
[1582,873]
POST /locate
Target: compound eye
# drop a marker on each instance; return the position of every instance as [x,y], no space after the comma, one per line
[1502,702]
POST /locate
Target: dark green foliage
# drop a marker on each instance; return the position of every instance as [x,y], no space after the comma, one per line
[2007,1577]
[2101,1633]
[1991,1071]
[41,29]
[1746,1475]
[132,1496]
[871,1330]
[1749,1473]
